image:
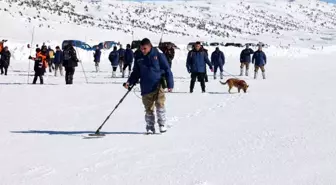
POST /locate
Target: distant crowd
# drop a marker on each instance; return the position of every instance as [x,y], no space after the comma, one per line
[66,59]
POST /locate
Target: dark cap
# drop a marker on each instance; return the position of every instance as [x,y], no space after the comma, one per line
[38,50]
[198,42]
[145,41]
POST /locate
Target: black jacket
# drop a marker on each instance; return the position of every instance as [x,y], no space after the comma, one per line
[70,57]
[5,58]
[38,66]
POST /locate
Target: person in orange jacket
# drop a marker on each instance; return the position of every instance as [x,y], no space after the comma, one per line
[39,66]
[2,45]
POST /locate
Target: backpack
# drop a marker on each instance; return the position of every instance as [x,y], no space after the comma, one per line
[51,54]
[67,55]
[111,56]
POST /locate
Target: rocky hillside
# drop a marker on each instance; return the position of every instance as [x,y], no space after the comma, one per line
[229,19]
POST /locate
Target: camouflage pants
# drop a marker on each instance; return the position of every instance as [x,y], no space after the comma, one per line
[246,64]
[256,68]
[150,101]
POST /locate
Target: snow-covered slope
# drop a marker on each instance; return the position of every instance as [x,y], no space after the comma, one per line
[278,22]
[281,132]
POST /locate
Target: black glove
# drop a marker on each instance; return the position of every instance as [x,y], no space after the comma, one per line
[127,86]
[29,57]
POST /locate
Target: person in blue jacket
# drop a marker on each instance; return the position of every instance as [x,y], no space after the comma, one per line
[96,57]
[58,61]
[259,60]
[245,60]
[149,66]
[218,61]
[129,56]
[114,59]
[196,65]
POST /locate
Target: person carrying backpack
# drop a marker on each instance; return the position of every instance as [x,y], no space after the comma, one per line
[70,62]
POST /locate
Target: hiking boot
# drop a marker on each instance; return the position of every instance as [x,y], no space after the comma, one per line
[163,128]
[241,72]
[150,129]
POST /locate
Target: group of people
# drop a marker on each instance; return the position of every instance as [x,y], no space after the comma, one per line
[124,58]
[197,60]
[47,58]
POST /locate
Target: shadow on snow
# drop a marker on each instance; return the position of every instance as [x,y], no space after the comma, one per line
[53,132]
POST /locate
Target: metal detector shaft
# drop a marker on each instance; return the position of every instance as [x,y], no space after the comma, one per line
[31,46]
[108,117]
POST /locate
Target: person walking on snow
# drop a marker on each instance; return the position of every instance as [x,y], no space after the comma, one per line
[121,52]
[259,61]
[70,62]
[129,56]
[245,60]
[39,65]
[58,61]
[149,67]
[5,60]
[218,61]
[196,65]
[96,57]
[114,59]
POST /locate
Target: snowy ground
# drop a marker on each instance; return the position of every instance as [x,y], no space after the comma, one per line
[281,132]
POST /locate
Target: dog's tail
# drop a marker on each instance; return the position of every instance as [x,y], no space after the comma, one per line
[223,83]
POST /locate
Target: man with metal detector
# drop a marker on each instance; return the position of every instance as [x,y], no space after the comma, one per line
[149,66]
[70,61]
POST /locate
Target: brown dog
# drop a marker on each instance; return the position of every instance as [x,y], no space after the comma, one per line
[234,82]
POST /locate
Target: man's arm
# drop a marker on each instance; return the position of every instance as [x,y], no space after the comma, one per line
[206,58]
[168,73]
[135,75]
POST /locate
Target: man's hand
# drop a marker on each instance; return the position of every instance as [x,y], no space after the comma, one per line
[170,90]
[212,70]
